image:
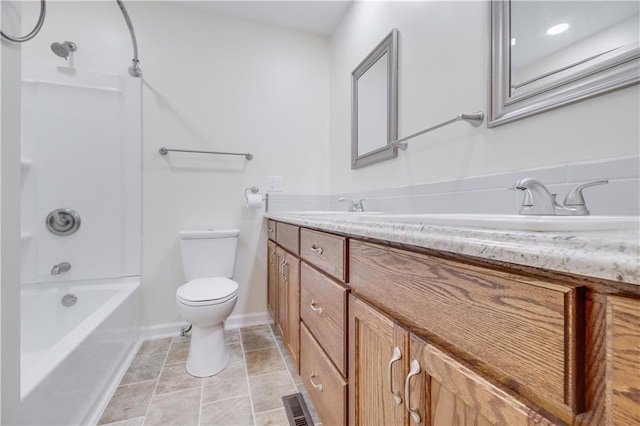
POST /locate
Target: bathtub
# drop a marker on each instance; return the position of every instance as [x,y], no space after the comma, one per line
[72,357]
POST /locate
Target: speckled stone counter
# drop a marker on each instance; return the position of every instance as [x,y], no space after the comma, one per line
[611,255]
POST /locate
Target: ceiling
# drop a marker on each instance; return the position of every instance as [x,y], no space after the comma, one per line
[318,17]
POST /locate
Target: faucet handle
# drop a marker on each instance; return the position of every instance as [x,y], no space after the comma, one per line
[575,197]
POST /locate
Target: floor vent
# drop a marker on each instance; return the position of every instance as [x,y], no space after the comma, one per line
[297,411]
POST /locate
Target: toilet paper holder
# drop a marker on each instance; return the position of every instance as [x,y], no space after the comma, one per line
[254,190]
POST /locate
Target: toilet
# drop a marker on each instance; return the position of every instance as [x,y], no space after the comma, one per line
[209,296]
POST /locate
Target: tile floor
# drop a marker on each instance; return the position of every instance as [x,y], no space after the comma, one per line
[156,389]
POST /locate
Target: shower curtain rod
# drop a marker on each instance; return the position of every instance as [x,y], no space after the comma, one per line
[134,70]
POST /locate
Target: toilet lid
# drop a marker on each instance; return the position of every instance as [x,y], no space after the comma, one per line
[212,289]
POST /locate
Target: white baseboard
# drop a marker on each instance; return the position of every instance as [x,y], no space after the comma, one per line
[159,331]
[247,320]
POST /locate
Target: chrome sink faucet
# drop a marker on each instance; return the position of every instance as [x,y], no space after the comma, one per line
[60,268]
[538,200]
[353,206]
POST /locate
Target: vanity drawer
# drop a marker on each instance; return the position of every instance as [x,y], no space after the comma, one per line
[328,389]
[325,251]
[524,332]
[288,236]
[323,305]
[271,229]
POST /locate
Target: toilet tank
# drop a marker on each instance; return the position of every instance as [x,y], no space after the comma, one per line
[208,252]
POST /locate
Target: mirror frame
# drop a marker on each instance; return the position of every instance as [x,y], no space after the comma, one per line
[387,46]
[614,71]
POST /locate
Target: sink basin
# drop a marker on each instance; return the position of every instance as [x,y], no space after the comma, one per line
[515,222]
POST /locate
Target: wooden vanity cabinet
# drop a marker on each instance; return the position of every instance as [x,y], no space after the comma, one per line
[623,360]
[399,379]
[283,296]
[272,279]
[404,336]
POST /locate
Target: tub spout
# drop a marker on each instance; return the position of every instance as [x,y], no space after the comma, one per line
[60,268]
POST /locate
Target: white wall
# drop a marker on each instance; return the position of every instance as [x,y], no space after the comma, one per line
[443,48]
[10,216]
[212,83]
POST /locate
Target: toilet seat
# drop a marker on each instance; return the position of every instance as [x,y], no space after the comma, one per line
[207,291]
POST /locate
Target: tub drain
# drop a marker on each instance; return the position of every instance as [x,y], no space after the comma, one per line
[69,299]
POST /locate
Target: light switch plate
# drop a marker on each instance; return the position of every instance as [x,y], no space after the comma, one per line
[274,183]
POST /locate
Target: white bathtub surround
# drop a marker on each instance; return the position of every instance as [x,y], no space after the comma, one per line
[72,357]
[612,255]
[489,194]
[81,136]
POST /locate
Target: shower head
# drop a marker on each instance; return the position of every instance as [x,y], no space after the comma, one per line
[63,49]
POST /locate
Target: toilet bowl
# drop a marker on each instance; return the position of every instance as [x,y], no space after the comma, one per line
[209,296]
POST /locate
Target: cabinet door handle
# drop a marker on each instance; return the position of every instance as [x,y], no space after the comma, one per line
[397,356]
[413,371]
[317,386]
[281,266]
[316,249]
[273,258]
[315,308]
[285,272]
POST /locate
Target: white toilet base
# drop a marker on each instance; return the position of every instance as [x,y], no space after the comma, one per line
[208,352]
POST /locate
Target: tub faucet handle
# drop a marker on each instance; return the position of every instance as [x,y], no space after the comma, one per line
[60,268]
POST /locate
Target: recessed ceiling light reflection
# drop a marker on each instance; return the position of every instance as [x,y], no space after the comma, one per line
[513,41]
[557,29]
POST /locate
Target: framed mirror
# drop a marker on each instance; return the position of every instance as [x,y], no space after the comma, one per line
[374,104]
[545,54]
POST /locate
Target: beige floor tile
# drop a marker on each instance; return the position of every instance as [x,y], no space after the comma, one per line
[232,336]
[154,347]
[138,421]
[128,402]
[257,338]
[254,328]
[272,418]
[174,378]
[176,409]
[229,383]
[144,368]
[235,352]
[267,390]
[178,351]
[264,361]
[235,411]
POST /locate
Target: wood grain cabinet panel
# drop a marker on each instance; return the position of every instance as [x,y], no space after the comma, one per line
[442,391]
[272,279]
[323,304]
[291,274]
[623,361]
[327,389]
[288,236]
[325,251]
[378,360]
[271,229]
[520,331]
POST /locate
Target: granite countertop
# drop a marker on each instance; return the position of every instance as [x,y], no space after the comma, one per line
[611,255]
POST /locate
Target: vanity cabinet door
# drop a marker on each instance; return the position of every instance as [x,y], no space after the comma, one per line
[378,356]
[442,391]
[281,312]
[623,361]
[272,279]
[291,275]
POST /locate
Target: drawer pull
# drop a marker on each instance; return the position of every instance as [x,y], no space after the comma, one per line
[317,386]
[414,371]
[316,249]
[315,308]
[285,272]
[270,230]
[397,356]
